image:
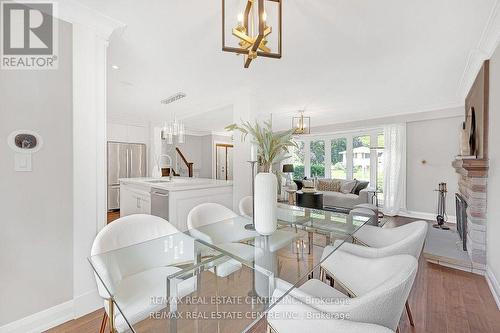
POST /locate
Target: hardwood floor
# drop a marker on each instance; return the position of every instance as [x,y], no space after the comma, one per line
[113,216]
[442,300]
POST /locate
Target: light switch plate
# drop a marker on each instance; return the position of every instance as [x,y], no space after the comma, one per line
[22,162]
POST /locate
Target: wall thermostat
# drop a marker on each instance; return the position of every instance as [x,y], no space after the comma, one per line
[24,143]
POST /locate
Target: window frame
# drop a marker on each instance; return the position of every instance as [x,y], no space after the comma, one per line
[349,136]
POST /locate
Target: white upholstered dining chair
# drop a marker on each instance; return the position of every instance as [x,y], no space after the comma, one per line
[246,206]
[308,319]
[207,214]
[379,288]
[132,278]
[383,242]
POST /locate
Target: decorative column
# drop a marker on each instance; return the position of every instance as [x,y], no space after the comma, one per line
[91,32]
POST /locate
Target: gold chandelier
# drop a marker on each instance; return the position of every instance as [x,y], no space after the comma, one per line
[301,124]
[253,31]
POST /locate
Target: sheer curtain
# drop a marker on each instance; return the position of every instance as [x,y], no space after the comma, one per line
[394,169]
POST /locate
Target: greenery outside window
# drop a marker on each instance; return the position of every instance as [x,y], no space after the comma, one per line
[361,154]
[339,158]
[297,159]
[318,158]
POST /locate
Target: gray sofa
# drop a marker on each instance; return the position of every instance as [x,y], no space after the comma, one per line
[340,200]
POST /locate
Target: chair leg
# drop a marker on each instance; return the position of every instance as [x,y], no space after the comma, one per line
[410,316]
[332,282]
[111,316]
[104,322]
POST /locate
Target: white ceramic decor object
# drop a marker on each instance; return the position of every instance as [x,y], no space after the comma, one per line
[265,203]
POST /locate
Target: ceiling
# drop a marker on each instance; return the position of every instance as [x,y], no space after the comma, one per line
[342,60]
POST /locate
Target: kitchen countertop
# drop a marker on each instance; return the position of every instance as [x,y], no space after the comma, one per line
[177,183]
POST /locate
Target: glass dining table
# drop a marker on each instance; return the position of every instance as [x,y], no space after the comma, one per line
[220,277]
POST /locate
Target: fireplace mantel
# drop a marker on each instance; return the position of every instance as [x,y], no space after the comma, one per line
[472,168]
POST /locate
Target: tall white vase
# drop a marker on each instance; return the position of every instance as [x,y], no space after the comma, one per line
[266,186]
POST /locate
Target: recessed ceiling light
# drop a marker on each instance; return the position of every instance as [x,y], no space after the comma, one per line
[115,67]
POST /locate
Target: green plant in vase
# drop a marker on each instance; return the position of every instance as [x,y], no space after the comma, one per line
[272,147]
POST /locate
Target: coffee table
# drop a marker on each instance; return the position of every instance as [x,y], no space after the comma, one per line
[310,199]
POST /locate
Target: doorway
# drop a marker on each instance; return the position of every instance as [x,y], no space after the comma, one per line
[224,161]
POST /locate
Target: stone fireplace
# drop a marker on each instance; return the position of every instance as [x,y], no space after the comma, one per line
[473,180]
[472,167]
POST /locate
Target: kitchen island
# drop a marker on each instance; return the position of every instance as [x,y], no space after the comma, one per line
[172,199]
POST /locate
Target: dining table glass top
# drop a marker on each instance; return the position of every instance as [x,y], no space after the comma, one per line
[220,277]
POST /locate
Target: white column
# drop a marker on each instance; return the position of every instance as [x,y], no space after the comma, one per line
[328,157]
[349,156]
[242,176]
[307,158]
[89,160]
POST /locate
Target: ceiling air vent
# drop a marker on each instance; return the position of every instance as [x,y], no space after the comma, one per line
[173,98]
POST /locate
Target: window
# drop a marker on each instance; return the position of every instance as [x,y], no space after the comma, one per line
[339,158]
[318,158]
[351,155]
[361,157]
[297,160]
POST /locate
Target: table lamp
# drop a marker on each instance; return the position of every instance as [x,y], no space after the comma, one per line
[288,169]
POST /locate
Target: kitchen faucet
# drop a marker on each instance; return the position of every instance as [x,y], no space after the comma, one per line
[170,165]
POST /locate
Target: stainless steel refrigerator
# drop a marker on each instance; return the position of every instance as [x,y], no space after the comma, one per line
[125,160]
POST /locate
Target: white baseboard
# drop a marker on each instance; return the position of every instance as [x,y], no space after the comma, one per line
[425,216]
[87,303]
[42,320]
[56,315]
[494,286]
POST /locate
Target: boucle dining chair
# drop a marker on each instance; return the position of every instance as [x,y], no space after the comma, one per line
[379,288]
[382,242]
[308,319]
[246,206]
[209,213]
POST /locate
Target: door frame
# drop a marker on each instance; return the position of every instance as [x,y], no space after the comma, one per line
[226,145]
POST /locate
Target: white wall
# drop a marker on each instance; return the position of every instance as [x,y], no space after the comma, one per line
[493,221]
[36,241]
[436,142]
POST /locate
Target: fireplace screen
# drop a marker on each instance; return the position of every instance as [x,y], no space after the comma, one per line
[461,205]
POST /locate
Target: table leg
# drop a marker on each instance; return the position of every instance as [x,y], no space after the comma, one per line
[310,237]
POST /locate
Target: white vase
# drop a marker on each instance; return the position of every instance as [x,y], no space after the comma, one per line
[265,203]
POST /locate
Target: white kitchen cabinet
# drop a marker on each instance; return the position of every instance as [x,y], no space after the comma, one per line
[127,133]
[138,134]
[117,133]
[134,201]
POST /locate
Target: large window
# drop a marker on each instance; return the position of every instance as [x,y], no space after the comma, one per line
[317,158]
[350,155]
[297,159]
[339,158]
[361,156]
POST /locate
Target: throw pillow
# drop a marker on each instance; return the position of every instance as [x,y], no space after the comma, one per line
[328,185]
[360,185]
[347,186]
[308,183]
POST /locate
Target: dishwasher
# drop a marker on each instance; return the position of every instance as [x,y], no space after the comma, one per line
[159,203]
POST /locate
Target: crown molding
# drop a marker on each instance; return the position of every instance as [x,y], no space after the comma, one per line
[488,43]
[224,133]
